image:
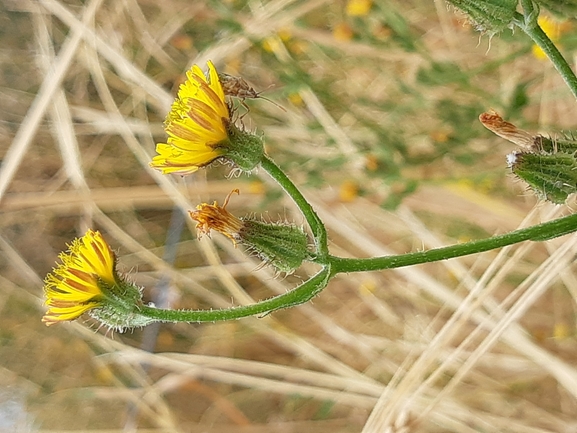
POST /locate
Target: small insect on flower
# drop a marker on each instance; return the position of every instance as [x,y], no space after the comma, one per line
[200,129]
[237,87]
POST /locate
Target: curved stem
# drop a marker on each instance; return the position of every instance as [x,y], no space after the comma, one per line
[299,295]
[541,232]
[528,23]
[319,281]
[315,223]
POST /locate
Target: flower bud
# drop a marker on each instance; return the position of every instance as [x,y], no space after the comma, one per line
[284,246]
[547,164]
[551,176]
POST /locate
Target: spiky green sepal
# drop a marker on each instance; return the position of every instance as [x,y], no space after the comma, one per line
[551,176]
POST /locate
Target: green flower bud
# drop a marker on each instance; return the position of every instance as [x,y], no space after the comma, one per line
[552,176]
[284,246]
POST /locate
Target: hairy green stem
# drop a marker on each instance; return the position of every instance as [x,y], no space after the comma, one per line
[541,232]
[299,295]
[319,281]
[528,23]
[315,223]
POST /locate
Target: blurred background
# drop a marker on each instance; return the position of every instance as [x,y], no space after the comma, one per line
[381,131]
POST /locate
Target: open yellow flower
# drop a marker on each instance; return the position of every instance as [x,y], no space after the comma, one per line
[196,125]
[200,129]
[73,286]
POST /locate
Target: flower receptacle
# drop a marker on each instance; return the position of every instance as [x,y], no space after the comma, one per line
[243,148]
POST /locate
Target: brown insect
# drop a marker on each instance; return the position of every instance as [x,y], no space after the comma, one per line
[237,87]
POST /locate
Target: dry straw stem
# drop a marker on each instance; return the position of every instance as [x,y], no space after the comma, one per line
[403,397]
[454,346]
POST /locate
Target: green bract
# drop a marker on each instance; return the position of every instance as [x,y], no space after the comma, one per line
[283,246]
[551,176]
[491,16]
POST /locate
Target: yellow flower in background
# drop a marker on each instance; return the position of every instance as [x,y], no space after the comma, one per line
[196,125]
[73,286]
[182,42]
[371,162]
[296,99]
[342,32]
[552,29]
[356,8]
[257,187]
[284,39]
[285,34]
[348,191]
[271,44]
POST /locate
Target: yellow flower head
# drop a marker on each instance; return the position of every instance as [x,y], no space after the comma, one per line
[196,125]
[73,286]
[356,8]
[348,191]
[214,217]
